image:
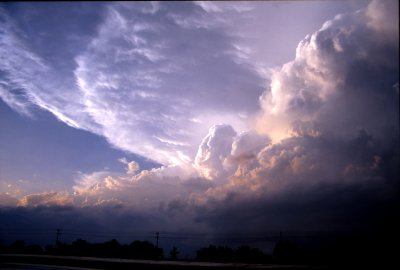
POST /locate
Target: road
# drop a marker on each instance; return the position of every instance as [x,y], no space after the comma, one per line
[17,266]
[45,262]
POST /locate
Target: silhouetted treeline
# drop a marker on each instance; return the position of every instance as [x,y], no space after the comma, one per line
[378,250]
[109,249]
[19,247]
[356,249]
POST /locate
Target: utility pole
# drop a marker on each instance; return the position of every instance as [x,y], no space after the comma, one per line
[58,233]
[157,237]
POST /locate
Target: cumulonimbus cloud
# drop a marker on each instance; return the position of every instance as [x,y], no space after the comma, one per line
[337,114]
[343,78]
[328,121]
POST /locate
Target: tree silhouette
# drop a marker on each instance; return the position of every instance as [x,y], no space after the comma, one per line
[145,250]
[247,254]
[215,254]
[289,252]
[173,254]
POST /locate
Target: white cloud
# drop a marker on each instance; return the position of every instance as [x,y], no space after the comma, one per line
[148,189]
[46,199]
[16,76]
[27,80]
[213,150]
[144,86]
[140,86]
[333,88]
[330,114]
[89,182]
[209,6]
[132,166]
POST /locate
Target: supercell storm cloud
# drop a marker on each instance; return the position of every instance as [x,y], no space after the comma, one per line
[237,142]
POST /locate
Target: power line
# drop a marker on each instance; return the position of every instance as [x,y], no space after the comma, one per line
[157,237]
[219,237]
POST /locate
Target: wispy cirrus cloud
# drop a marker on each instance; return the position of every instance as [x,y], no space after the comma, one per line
[142,84]
[30,81]
[15,76]
[146,91]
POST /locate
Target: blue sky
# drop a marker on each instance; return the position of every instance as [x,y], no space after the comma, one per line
[43,153]
[180,112]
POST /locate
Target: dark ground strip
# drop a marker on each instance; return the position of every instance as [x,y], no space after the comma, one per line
[10,261]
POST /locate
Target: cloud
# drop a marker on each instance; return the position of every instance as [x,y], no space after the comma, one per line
[14,76]
[382,19]
[223,150]
[323,207]
[213,150]
[6,200]
[320,153]
[29,81]
[218,8]
[125,77]
[132,166]
[156,94]
[332,115]
[46,199]
[145,190]
[341,74]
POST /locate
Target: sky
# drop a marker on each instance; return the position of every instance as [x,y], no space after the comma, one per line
[203,117]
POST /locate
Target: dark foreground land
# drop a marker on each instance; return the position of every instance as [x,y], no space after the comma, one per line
[46,262]
[370,250]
